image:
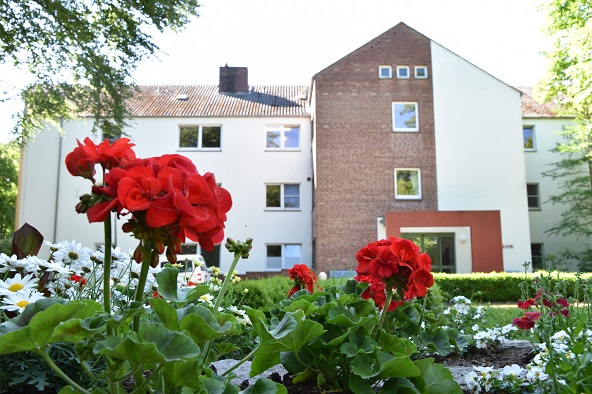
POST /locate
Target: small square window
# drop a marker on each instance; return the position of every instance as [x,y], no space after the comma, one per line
[282,137]
[403,72]
[534,197]
[385,72]
[407,184]
[200,137]
[405,116]
[529,140]
[421,72]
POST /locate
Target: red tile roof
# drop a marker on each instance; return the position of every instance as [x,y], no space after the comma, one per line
[199,100]
[534,109]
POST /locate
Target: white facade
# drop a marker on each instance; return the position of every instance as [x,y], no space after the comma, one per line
[538,160]
[491,176]
[243,166]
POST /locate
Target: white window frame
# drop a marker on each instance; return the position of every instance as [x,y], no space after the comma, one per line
[408,196]
[538,196]
[284,264]
[389,73]
[199,138]
[425,70]
[533,133]
[405,129]
[282,130]
[406,69]
[283,196]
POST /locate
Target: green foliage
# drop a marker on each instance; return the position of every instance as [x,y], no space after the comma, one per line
[341,346]
[495,287]
[263,294]
[82,54]
[567,84]
[9,165]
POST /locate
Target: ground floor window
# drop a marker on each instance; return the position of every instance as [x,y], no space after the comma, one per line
[537,253]
[283,256]
[439,246]
[212,258]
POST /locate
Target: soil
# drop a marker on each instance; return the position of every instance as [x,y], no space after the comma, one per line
[496,357]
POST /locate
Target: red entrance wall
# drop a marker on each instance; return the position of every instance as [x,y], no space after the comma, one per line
[486,232]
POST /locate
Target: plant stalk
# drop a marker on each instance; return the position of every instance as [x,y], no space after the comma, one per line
[61,373]
[389,298]
[107,266]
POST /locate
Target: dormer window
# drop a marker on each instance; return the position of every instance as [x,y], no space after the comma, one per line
[403,72]
[385,72]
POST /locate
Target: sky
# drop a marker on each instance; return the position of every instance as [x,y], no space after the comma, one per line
[285,42]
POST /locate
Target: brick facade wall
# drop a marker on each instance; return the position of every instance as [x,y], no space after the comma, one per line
[356,149]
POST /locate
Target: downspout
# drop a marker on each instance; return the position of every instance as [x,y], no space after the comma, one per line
[57,193]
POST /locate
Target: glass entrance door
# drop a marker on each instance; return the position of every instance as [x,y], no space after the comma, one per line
[439,246]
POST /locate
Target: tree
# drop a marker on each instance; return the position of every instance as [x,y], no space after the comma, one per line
[9,162]
[82,54]
[568,83]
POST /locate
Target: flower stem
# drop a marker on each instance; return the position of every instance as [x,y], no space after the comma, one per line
[107,266]
[141,284]
[387,302]
[423,308]
[61,373]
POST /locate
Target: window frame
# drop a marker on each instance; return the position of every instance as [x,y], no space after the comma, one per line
[540,265]
[394,119]
[537,196]
[385,67]
[199,146]
[407,70]
[533,136]
[283,256]
[416,68]
[417,196]
[283,196]
[282,129]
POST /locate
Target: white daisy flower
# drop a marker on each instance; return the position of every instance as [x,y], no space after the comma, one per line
[17,301]
[206,298]
[512,371]
[71,252]
[27,283]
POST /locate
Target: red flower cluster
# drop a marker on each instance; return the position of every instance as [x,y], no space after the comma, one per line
[394,265]
[557,306]
[304,278]
[163,192]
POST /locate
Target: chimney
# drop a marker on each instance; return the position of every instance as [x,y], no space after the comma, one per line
[234,80]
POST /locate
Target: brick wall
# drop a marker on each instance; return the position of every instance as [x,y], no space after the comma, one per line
[357,151]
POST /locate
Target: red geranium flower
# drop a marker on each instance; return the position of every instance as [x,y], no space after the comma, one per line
[304,278]
[527,321]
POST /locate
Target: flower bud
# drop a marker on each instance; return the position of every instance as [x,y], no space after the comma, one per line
[175,245]
[154,261]
[128,227]
[159,246]
[139,254]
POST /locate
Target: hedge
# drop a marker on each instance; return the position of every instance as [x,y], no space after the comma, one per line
[505,287]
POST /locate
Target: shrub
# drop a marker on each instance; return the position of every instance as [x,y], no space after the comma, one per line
[263,294]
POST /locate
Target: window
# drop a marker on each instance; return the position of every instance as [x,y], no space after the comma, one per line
[534,198]
[283,196]
[212,258]
[385,72]
[403,72]
[407,184]
[537,252]
[439,246]
[283,137]
[528,135]
[112,135]
[200,137]
[283,256]
[405,117]
[421,72]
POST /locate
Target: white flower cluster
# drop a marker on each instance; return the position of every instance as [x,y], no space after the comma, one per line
[531,379]
[492,336]
[71,272]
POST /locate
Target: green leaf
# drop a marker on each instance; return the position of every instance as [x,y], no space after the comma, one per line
[174,345]
[131,348]
[363,366]
[290,362]
[399,386]
[44,323]
[360,386]
[76,329]
[166,313]
[211,386]
[265,386]
[301,304]
[439,342]
[263,361]
[201,324]
[359,342]
[17,341]
[304,332]
[437,379]
[31,310]
[399,366]
[186,373]
[395,345]
[169,290]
